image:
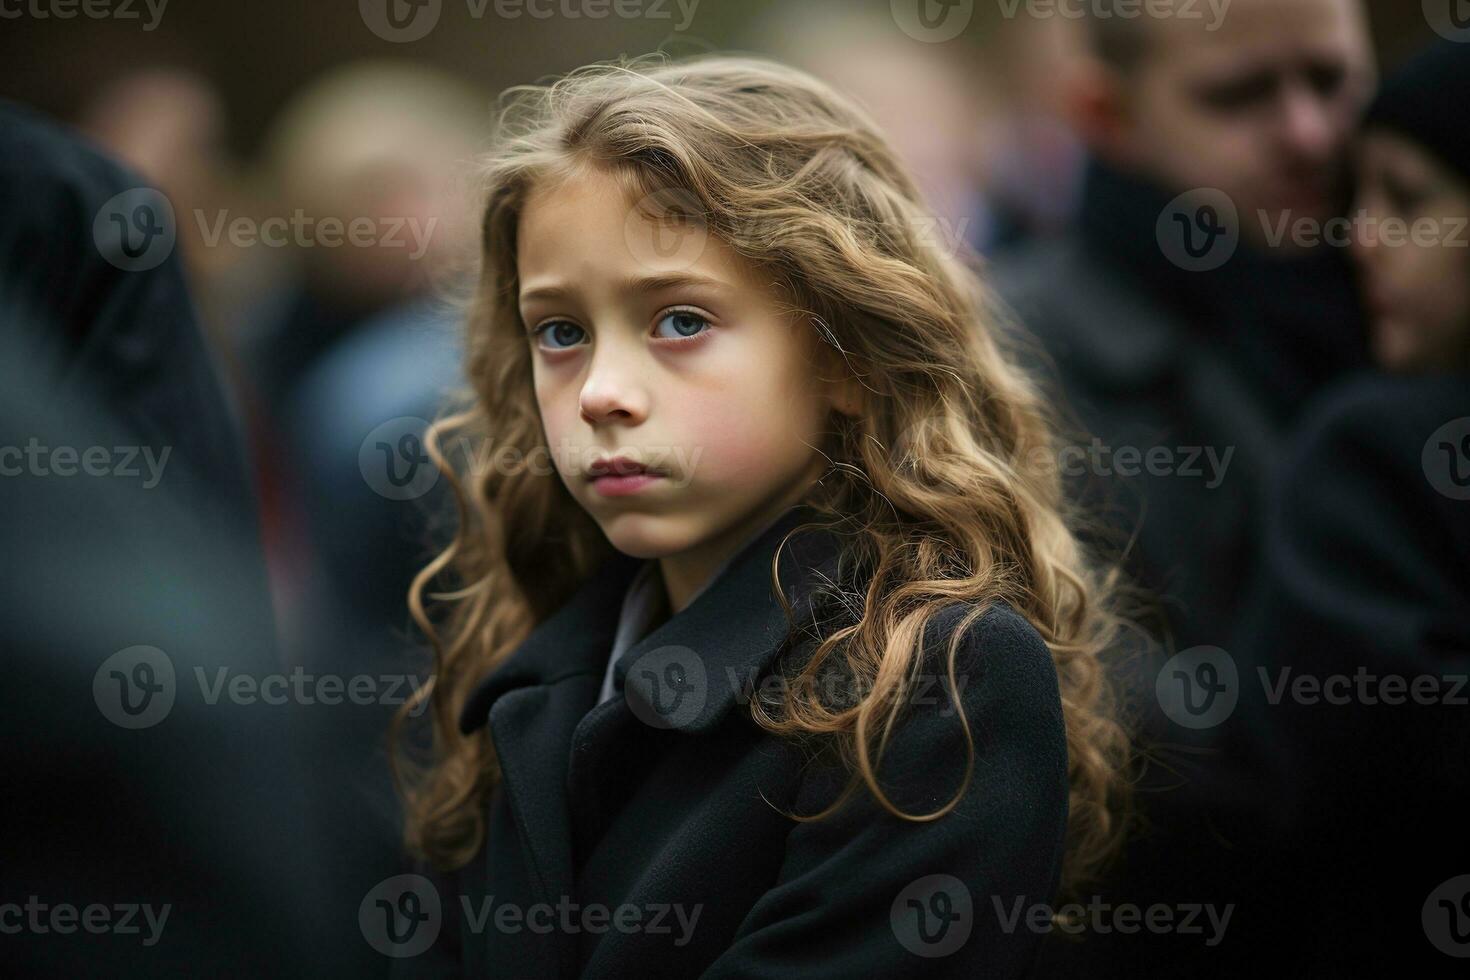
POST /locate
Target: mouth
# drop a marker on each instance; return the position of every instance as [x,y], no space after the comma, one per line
[619,466]
[621,476]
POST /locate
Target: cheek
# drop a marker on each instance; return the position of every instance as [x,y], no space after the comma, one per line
[745,429]
[560,412]
[1200,149]
[1433,279]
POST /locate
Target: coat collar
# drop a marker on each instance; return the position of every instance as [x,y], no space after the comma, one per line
[694,667]
[564,758]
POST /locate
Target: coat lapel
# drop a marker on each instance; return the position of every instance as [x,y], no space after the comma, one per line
[556,745]
[696,668]
[532,704]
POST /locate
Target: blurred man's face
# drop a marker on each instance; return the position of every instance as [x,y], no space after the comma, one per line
[1261,107]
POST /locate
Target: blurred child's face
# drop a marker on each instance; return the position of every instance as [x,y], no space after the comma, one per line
[664,346]
[1414,255]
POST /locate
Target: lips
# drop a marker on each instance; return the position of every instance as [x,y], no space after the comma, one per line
[619,466]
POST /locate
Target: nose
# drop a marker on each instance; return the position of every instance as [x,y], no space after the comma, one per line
[1310,125]
[613,391]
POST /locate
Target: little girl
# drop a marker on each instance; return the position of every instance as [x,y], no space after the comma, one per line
[763,647]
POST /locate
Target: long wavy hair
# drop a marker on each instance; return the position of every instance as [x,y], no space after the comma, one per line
[940,486]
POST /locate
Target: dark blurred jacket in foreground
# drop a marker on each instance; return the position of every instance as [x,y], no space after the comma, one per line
[1364,608]
[156,823]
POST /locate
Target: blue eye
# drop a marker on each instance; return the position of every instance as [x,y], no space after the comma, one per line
[564,331]
[684,324]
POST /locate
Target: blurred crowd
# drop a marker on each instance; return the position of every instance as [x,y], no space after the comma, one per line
[1236,252]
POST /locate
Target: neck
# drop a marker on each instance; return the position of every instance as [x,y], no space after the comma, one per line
[690,572]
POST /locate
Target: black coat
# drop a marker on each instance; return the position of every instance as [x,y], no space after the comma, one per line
[601,809]
[1146,356]
[1209,368]
[200,809]
[1367,572]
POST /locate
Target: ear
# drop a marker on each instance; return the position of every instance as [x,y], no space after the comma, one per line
[1099,109]
[843,389]
[845,396]
[839,385]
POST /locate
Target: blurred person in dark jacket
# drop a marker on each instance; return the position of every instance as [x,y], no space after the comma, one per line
[1184,322]
[351,354]
[365,168]
[1365,601]
[155,823]
[1155,347]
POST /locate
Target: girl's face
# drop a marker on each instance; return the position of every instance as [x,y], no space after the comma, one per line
[1414,255]
[662,345]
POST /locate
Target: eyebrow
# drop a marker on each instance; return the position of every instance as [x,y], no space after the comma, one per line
[636,284]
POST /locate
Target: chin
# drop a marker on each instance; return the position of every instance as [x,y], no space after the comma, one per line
[643,534]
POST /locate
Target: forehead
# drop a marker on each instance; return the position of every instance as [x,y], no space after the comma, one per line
[560,208]
[1213,34]
[595,223]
